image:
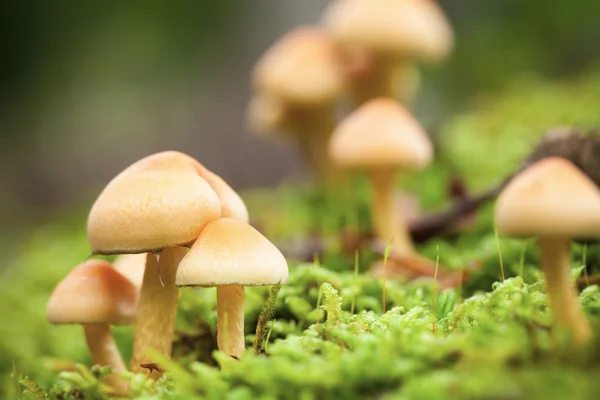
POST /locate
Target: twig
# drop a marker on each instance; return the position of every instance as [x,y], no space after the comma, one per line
[152,367]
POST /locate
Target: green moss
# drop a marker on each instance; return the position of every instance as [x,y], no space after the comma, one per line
[496,335]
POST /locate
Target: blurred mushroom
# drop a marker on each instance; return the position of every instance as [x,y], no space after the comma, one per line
[95,295]
[266,115]
[230,254]
[383,138]
[154,206]
[298,81]
[554,201]
[386,36]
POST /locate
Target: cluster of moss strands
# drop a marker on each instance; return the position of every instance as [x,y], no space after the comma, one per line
[368,354]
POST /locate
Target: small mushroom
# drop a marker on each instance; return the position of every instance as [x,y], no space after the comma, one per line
[383,138]
[95,295]
[155,206]
[298,81]
[388,35]
[555,202]
[132,266]
[230,254]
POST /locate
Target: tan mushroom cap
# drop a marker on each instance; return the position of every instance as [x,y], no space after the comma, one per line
[551,198]
[93,293]
[379,134]
[232,205]
[302,67]
[132,267]
[231,252]
[415,28]
[158,202]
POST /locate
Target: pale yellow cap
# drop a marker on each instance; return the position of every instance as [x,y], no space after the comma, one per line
[93,293]
[132,267]
[414,28]
[231,252]
[379,134]
[551,198]
[158,202]
[302,67]
[232,205]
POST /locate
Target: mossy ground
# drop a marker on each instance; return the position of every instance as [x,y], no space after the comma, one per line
[330,337]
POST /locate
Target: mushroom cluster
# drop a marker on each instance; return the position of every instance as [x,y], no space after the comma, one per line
[173,223]
[363,53]
[151,214]
[363,50]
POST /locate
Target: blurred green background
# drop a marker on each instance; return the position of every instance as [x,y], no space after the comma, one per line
[89,87]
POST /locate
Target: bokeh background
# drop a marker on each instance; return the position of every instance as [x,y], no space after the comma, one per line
[89,87]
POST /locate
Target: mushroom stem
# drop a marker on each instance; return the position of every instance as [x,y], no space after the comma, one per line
[312,128]
[157,309]
[104,352]
[387,224]
[386,76]
[564,302]
[230,323]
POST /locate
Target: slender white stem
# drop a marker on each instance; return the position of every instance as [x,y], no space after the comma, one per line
[155,318]
[564,302]
[104,352]
[230,323]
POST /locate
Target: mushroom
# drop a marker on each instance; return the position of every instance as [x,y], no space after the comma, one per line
[298,80]
[556,202]
[388,35]
[231,254]
[132,267]
[95,295]
[156,205]
[383,138]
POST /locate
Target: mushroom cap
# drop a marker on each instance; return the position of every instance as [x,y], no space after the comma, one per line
[232,205]
[231,252]
[132,267]
[380,134]
[414,28]
[160,201]
[302,67]
[551,198]
[93,293]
